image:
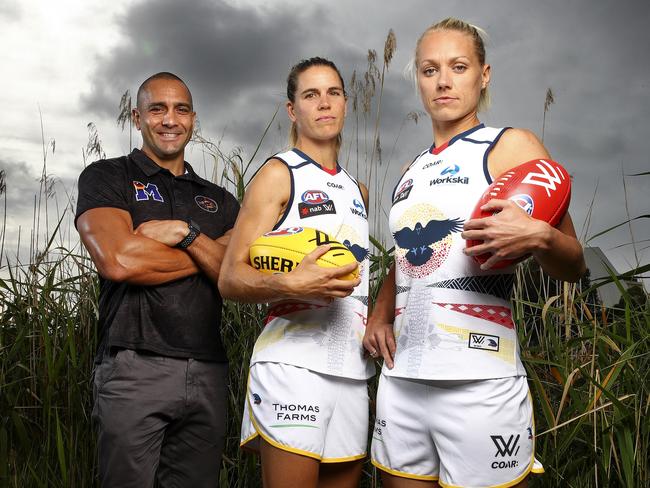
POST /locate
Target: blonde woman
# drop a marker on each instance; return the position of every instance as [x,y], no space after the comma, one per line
[453,406]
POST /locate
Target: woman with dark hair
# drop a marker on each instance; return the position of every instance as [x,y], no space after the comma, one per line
[306,409]
[453,406]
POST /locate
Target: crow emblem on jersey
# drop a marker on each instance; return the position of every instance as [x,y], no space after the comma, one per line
[419,239]
[360,253]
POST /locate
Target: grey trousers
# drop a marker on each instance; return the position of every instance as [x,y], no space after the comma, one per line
[159,418]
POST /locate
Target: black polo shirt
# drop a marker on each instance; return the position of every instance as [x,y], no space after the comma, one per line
[181,318]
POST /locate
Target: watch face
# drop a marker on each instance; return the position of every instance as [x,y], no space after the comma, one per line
[193,224]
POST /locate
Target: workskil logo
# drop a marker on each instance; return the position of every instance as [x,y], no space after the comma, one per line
[358,209]
[450,170]
[448,176]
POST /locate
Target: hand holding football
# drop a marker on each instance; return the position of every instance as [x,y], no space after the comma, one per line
[541,187]
[282,250]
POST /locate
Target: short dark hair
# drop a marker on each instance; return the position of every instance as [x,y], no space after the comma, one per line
[163,75]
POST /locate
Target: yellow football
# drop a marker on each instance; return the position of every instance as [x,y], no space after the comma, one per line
[281,250]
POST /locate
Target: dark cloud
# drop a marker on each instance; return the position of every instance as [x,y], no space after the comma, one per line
[226,54]
[11,10]
[235,59]
[25,196]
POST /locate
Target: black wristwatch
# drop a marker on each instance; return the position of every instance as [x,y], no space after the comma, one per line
[195,230]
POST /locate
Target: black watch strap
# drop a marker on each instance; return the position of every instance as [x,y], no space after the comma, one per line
[189,238]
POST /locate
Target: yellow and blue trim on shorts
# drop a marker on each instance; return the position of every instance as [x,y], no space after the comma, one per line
[293,450]
[421,477]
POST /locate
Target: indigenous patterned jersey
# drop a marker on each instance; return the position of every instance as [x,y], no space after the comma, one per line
[452,320]
[322,337]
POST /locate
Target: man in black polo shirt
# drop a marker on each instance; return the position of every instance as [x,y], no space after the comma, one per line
[157,233]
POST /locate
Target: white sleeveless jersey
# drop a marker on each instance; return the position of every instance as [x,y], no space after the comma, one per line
[452,320]
[325,338]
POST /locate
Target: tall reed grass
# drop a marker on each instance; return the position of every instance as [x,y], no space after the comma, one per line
[587,365]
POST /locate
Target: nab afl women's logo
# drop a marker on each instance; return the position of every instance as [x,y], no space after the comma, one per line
[206,203]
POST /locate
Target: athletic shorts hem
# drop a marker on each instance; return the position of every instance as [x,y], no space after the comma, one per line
[243,444]
[344,459]
[283,447]
[507,484]
[402,474]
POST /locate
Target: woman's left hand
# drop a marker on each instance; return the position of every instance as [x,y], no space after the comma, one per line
[508,234]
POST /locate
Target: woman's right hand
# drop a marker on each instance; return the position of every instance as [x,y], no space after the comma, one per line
[309,280]
[379,340]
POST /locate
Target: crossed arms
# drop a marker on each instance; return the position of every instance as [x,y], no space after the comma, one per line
[146,255]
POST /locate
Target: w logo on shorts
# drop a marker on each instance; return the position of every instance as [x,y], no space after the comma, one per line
[506,448]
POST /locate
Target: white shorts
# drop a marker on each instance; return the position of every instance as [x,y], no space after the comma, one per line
[316,415]
[461,433]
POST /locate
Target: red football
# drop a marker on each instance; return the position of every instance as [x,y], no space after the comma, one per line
[541,187]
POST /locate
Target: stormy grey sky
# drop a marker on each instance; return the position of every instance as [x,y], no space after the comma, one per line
[69,63]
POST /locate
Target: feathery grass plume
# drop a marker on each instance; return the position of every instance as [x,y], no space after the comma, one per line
[370,81]
[354,92]
[125,115]
[354,96]
[390,46]
[93,150]
[550,100]
[3,191]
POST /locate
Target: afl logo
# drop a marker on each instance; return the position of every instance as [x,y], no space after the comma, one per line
[289,231]
[206,203]
[450,170]
[406,185]
[525,202]
[314,197]
[404,191]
